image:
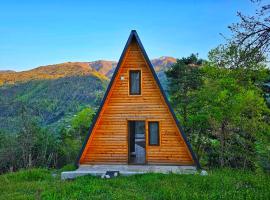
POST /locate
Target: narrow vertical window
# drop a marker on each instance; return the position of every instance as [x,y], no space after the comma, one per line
[134,82]
[153,133]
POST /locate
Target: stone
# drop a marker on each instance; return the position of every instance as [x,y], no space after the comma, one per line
[204,173]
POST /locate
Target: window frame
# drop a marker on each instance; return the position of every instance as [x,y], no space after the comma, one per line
[140,82]
[158,134]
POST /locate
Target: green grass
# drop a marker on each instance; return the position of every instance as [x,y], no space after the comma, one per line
[219,184]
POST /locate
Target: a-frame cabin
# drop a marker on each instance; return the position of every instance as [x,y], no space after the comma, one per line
[135,123]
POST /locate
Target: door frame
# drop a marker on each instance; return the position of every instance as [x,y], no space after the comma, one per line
[128,140]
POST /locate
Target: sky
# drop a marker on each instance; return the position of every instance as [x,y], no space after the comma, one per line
[36,33]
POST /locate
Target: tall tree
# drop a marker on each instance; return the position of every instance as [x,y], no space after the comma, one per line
[82,121]
[183,77]
[27,138]
[8,152]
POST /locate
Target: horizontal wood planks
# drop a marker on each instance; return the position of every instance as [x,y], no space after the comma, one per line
[109,139]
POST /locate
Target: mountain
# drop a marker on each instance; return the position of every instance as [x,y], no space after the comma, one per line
[163,63]
[53,94]
[51,72]
[104,67]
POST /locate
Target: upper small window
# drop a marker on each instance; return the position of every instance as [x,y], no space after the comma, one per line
[153,133]
[134,82]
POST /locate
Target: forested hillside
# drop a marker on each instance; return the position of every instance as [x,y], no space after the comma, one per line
[51,102]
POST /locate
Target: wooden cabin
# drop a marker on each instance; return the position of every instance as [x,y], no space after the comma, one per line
[135,123]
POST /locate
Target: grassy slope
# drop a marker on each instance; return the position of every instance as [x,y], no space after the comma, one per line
[220,184]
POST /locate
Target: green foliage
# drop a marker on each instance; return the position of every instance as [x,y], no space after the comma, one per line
[236,116]
[184,77]
[31,147]
[69,146]
[223,110]
[83,119]
[71,139]
[35,146]
[219,184]
[81,122]
[51,102]
[247,67]
[8,152]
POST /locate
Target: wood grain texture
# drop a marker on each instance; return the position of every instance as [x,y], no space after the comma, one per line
[108,142]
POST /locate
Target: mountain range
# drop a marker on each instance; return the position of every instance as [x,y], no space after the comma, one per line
[53,94]
[102,69]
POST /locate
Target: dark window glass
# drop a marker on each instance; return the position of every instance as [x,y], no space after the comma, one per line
[134,82]
[153,129]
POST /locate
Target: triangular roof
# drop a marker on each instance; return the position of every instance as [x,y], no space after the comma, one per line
[134,35]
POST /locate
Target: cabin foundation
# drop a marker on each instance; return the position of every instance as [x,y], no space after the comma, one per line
[127,170]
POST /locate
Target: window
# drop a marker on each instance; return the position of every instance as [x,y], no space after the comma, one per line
[153,133]
[134,82]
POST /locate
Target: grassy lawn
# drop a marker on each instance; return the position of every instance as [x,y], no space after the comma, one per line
[219,184]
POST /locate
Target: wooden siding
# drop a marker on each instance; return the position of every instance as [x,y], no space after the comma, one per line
[108,142]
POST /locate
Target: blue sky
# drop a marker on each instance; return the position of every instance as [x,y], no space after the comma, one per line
[35,33]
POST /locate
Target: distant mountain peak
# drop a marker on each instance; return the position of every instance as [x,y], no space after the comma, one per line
[103,66]
[163,63]
[166,58]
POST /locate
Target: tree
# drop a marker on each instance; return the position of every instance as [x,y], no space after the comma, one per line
[247,69]
[45,149]
[82,121]
[184,80]
[183,77]
[236,115]
[252,33]
[71,139]
[36,146]
[27,138]
[8,152]
[69,145]
[225,115]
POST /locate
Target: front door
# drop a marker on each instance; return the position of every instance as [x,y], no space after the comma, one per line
[136,132]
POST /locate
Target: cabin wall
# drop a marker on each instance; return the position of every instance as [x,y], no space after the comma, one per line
[108,142]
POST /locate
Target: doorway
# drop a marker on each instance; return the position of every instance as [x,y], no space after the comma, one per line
[137,152]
